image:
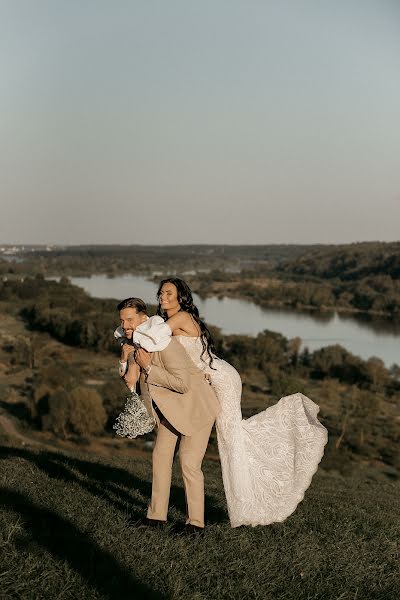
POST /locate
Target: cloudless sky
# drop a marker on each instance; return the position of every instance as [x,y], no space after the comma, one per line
[212,121]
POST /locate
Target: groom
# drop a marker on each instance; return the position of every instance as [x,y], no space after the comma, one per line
[184,405]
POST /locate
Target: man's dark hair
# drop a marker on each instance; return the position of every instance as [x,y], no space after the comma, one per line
[135,303]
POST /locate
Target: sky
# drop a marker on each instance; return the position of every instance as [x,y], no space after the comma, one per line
[180,121]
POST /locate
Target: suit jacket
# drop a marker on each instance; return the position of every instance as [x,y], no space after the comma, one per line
[179,389]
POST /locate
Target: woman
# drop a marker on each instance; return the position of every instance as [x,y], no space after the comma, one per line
[267,460]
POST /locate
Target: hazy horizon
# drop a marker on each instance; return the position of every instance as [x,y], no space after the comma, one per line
[44,244]
[225,122]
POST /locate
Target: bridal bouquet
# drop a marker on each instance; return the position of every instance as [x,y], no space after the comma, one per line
[134,419]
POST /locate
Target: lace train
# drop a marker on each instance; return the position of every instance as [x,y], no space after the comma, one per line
[268,460]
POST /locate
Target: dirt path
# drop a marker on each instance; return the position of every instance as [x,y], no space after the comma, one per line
[97,446]
[9,429]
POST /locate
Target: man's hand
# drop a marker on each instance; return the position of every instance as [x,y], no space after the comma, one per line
[130,379]
[143,358]
[126,350]
[132,376]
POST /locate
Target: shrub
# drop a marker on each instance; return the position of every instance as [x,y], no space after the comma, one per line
[80,412]
[114,394]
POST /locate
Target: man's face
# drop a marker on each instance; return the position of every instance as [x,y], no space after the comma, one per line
[130,319]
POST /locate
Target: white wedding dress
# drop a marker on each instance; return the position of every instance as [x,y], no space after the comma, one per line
[268,460]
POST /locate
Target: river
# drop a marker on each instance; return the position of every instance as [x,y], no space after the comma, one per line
[360,334]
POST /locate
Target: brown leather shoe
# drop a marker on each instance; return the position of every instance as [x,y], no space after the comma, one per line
[146,522]
[193,530]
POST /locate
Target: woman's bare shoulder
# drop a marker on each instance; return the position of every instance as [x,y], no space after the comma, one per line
[182,321]
[178,320]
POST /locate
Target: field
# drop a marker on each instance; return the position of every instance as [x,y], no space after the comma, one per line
[69,530]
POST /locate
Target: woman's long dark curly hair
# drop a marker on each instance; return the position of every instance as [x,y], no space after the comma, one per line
[185,300]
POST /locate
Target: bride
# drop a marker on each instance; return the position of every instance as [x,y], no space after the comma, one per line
[267,460]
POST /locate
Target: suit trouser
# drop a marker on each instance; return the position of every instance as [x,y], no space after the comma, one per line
[191,453]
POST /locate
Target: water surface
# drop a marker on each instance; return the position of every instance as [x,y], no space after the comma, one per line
[360,334]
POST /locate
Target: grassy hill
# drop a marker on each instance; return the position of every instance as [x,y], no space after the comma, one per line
[68,531]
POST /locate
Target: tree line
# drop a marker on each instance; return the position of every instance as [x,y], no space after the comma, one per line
[356,277]
[70,315]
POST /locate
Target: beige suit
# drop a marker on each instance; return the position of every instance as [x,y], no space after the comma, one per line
[188,408]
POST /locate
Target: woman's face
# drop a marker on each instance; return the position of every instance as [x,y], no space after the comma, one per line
[168,297]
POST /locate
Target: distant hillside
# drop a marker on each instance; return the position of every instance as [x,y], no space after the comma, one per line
[348,262]
[118,259]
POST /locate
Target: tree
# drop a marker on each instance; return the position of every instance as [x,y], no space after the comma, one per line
[294,346]
[376,373]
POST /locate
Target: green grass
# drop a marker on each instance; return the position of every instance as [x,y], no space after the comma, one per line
[67,531]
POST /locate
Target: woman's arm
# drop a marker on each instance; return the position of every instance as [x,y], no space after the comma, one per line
[182,321]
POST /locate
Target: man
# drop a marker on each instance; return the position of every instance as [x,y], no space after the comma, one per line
[184,406]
